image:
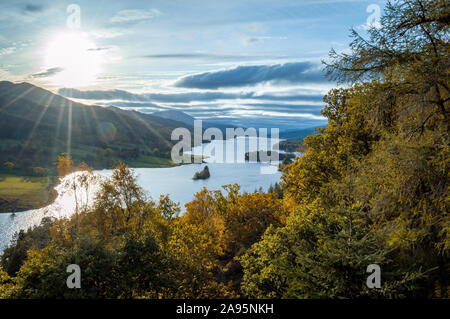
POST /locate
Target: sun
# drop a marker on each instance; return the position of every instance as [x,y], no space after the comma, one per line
[74,58]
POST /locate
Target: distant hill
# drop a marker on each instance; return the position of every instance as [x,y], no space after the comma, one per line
[153,119]
[36,125]
[176,116]
[296,134]
[189,120]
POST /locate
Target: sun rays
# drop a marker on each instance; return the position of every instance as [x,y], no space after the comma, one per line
[75,57]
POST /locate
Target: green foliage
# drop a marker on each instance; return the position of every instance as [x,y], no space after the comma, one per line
[276,189]
[323,254]
[219,227]
[138,268]
[39,171]
[384,156]
[6,285]
[24,192]
[144,269]
[44,275]
[35,238]
[291,145]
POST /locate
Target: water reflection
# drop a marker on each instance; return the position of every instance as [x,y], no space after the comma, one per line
[175,181]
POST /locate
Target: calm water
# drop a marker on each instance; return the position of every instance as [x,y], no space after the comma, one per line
[175,181]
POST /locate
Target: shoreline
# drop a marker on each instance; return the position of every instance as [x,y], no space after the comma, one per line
[7,208]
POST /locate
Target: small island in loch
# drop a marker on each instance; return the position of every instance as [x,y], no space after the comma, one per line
[204,174]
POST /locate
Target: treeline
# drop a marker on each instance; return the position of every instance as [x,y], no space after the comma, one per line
[371,188]
[39,159]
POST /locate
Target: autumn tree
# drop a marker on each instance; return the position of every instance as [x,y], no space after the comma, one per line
[9,166]
[380,168]
[64,165]
[220,226]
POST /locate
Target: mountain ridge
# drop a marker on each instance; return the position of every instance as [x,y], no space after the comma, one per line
[38,124]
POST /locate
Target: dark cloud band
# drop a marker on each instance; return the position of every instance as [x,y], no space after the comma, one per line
[182,97]
[47,73]
[292,73]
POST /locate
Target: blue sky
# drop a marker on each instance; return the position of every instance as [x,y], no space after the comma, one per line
[234,60]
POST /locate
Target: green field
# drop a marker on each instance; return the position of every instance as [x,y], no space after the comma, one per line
[18,193]
[146,161]
[23,192]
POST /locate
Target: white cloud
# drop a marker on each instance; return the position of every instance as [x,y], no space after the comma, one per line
[106,34]
[135,15]
[242,112]
[6,74]
[251,40]
[47,73]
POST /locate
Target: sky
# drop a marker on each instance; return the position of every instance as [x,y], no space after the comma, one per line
[250,63]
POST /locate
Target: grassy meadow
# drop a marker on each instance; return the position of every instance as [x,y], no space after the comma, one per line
[23,192]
